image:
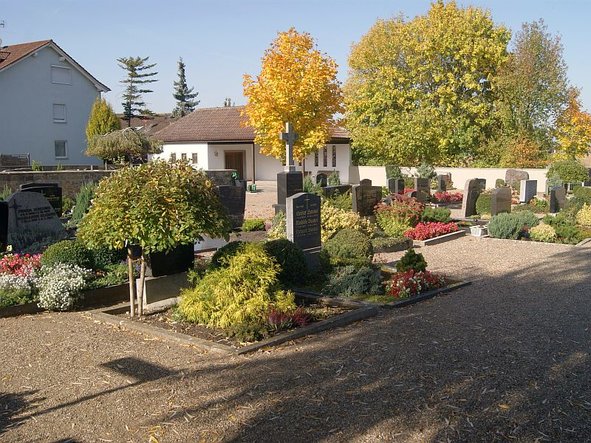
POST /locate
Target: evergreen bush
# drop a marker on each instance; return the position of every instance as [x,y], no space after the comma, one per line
[83,202]
[543,233]
[569,171]
[349,246]
[513,225]
[346,281]
[411,261]
[290,258]
[253,224]
[432,214]
[483,203]
[68,252]
[221,256]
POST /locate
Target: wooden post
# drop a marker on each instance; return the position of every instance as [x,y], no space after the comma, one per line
[132,291]
[140,296]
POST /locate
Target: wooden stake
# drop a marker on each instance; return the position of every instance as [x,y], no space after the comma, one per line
[140,297]
[132,290]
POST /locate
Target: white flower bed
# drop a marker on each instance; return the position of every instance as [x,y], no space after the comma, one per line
[60,286]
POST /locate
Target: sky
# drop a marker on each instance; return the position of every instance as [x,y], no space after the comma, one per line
[221,40]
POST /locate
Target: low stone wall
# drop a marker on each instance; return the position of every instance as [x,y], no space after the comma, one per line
[69,180]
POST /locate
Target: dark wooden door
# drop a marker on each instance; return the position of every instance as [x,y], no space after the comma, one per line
[235,160]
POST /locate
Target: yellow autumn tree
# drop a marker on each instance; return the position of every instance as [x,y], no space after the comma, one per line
[297,84]
[573,130]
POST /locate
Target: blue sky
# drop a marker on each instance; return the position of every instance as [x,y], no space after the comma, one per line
[220,40]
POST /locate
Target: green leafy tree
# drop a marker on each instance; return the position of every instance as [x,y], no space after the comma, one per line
[138,75]
[102,119]
[183,94]
[421,90]
[155,206]
[123,146]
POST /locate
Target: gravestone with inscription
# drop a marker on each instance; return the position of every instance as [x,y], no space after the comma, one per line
[303,220]
[365,198]
[322,179]
[528,190]
[396,185]
[500,200]
[51,191]
[472,190]
[442,183]
[233,199]
[557,199]
[366,182]
[422,186]
[290,181]
[32,219]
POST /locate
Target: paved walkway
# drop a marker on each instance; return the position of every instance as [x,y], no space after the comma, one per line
[504,359]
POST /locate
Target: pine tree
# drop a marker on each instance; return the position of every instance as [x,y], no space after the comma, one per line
[183,94]
[138,74]
[102,119]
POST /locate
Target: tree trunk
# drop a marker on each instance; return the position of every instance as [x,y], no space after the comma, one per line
[132,289]
[140,296]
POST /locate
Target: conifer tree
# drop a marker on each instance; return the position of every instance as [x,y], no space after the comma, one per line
[138,75]
[183,94]
[102,119]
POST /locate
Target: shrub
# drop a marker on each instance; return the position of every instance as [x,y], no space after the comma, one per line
[221,256]
[483,203]
[425,170]
[67,204]
[431,214]
[584,215]
[569,234]
[114,274]
[391,227]
[239,296]
[512,226]
[290,258]
[333,220]
[349,246]
[411,260]
[425,231]
[390,244]
[410,283]
[403,209]
[341,201]
[544,233]
[60,286]
[253,224]
[103,257]
[22,265]
[16,289]
[393,171]
[280,320]
[447,197]
[349,280]
[278,227]
[583,194]
[310,186]
[83,202]
[69,252]
[569,171]
[5,192]
[500,183]
[334,179]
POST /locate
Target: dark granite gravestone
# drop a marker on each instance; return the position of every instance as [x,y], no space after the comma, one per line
[500,200]
[472,190]
[557,199]
[332,191]
[303,220]
[3,225]
[233,199]
[513,177]
[528,190]
[396,185]
[365,182]
[178,259]
[288,184]
[423,188]
[51,191]
[31,219]
[442,183]
[322,179]
[365,198]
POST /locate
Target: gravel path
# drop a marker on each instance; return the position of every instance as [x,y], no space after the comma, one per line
[506,358]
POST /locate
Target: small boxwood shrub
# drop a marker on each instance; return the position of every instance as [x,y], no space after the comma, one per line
[390,244]
[483,203]
[349,246]
[347,281]
[411,261]
[431,214]
[69,252]
[221,256]
[253,224]
[512,226]
[544,233]
[290,258]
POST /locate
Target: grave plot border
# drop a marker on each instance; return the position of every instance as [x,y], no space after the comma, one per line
[439,239]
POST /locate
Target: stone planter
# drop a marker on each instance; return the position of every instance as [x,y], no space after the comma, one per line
[479,231]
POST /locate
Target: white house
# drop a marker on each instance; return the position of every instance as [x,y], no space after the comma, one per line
[45,101]
[215,138]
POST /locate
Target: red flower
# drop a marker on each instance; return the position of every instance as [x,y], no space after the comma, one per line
[424,231]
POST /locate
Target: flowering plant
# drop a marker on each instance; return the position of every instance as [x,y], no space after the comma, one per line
[403,209]
[60,286]
[447,197]
[410,283]
[16,289]
[424,231]
[23,265]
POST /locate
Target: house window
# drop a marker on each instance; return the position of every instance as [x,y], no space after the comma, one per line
[325,157]
[316,159]
[184,157]
[173,156]
[334,156]
[59,113]
[61,150]
[194,158]
[61,75]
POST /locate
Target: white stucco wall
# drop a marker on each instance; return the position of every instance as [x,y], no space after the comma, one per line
[186,148]
[27,96]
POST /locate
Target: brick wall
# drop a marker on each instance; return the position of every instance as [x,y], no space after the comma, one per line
[70,181]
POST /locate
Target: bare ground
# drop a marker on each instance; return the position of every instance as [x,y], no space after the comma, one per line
[504,359]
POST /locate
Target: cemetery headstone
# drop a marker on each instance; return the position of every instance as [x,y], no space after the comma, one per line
[31,219]
[557,199]
[331,191]
[528,190]
[513,177]
[51,191]
[365,198]
[588,181]
[365,182]
[500,200]
[396,185]
[441,183]
[472,190]
[422,186]
[221,177]
[322,179]
[3,225]
[290,181]
[233,199]
[303,220]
